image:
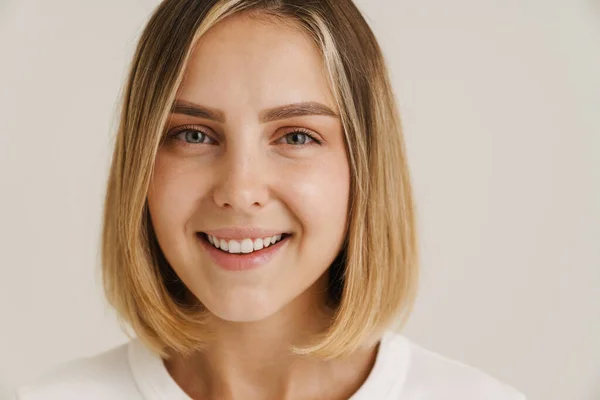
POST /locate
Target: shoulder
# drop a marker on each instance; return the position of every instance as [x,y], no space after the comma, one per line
[429,375]
[105,375]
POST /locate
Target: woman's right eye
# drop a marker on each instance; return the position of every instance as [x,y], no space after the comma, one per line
[192,136]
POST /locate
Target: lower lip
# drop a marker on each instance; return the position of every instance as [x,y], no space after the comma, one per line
[241,261]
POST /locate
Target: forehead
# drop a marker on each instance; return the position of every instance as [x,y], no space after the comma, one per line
[259,62]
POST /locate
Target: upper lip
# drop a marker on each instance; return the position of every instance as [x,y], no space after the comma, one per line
[239,233]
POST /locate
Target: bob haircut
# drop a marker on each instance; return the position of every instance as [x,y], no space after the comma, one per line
[372,282]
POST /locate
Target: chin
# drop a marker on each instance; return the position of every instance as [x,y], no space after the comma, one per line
[242,309]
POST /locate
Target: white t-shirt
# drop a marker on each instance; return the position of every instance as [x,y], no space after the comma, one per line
[402,371]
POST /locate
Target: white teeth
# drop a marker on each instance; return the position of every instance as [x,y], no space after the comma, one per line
[271,240]
[224,245]
[234,246]
[244,246]
[247,246]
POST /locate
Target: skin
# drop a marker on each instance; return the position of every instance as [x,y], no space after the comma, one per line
[247,172]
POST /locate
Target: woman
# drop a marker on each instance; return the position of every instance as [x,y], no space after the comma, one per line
[259,229]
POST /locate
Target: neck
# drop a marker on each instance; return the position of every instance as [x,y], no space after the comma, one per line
[252,360]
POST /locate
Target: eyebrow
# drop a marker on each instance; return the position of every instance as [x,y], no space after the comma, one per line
[272,114]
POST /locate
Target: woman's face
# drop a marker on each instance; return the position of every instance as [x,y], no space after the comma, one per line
[243,163]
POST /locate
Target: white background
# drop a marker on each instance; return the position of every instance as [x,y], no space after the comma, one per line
[501,109]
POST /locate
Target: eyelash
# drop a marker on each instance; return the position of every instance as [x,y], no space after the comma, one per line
[303,131]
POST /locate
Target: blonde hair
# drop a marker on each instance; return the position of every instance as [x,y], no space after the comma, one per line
[372,282]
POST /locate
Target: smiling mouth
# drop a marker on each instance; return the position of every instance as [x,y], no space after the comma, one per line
[245,246]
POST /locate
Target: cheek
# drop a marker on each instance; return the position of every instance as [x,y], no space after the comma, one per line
[171,195]
[317,195]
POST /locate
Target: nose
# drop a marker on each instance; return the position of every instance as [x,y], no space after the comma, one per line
[241,181]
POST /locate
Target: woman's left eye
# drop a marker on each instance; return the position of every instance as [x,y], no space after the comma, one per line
[299,138]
